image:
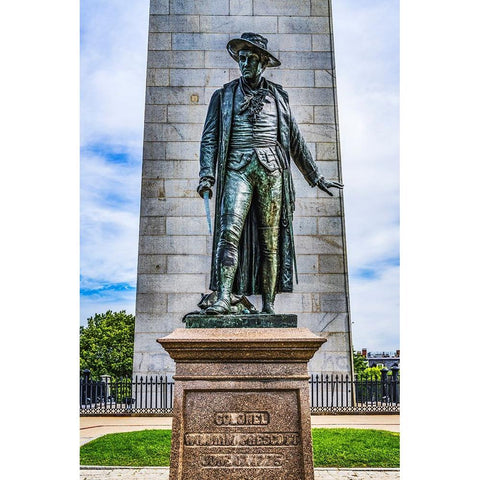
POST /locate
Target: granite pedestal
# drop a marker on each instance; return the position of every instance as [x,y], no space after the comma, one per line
[241,404]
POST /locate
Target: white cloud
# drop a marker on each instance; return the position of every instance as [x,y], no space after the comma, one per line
[375,311]
[109,229]
[367,56]
[113,68]
[113,60]
[116,302]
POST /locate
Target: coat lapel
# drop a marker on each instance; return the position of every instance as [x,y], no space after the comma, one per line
[227,114]
[283,119]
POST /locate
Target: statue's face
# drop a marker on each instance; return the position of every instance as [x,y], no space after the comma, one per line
[250,64]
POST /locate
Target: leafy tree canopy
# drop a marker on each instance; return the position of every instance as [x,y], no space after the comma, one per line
[371,373]
[359,363]
[106,344]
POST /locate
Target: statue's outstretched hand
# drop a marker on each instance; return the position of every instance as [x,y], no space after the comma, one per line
[324,185]
[205,185]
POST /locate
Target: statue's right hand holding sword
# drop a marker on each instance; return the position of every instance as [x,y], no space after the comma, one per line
[204,189]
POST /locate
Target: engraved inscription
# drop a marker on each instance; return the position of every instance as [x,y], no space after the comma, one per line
[242,435]
[241,439]
[248,460]
[241,418]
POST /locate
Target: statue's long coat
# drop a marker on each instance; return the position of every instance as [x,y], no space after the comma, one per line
[213,159]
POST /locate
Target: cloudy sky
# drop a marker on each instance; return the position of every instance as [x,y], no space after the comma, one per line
[113,64]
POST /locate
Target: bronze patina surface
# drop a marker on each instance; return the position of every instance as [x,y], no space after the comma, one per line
[248,142]
[250,320]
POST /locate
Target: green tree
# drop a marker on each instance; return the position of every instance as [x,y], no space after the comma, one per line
[106,344]
[371,373]
[359,363]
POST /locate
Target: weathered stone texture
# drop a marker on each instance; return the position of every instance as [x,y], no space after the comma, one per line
[161,7]
[184,151]
[198,41]
[320,8]
[198,77]
[187,61]
[238,24]
[177,302]
[303,25]
[241,7]
[182,226]
[289,78]
[152,264]
[174,95]
[330,225]
[203,7]
[321,43]
[187,113]
[163,283]
[174,23]
[157,77]
[326,151]
[169,168]
[172,245]
[152,226]
[160,41]
[324,114]
[285,42]
[281,7]
[155,113]
[324,78]
[154,303]
[177,59]
[307,60]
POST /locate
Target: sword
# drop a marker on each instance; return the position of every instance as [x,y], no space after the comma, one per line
[207,210]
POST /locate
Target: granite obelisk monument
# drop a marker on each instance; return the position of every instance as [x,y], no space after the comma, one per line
[180,263]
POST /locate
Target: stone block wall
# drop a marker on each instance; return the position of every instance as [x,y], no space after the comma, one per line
[187,62]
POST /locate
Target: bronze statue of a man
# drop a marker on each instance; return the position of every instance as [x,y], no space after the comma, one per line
[247,142]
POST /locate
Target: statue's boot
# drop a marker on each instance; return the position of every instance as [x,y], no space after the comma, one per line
[268,301]
[269,283]
[225,281]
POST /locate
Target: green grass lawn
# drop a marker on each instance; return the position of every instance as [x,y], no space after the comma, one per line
[351,447]
[332,447]
[146,448]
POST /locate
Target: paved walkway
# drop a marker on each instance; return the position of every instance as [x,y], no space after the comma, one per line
[161,473]
[93,427]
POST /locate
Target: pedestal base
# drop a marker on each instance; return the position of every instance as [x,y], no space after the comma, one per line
[241,406]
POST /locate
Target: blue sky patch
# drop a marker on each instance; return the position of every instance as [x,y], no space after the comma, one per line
[112,153]
[373,272]
[107,288]
[367,273]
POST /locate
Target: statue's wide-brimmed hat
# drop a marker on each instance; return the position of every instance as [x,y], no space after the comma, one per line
[249,41]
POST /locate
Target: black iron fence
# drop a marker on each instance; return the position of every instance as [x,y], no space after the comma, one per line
[329,394]
[341,394]
[137,395]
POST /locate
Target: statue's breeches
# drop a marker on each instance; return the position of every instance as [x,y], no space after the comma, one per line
[251,187]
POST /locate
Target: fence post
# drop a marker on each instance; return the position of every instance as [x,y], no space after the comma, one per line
[384,373]
[395,395]
[105,379]
[85,381]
